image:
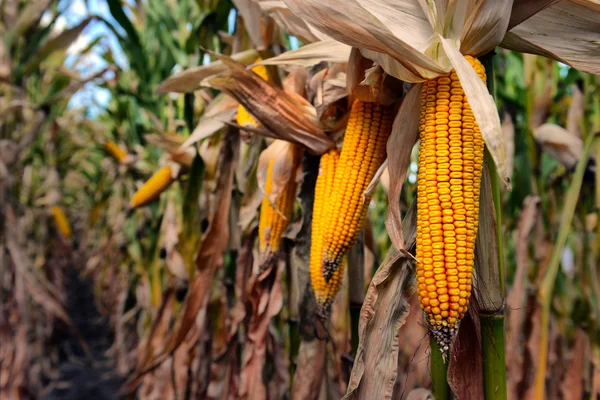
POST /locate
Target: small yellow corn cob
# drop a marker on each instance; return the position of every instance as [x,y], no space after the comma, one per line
[61,221]
[114,150]
[153,187]
[363,152]
[243,116]
[274,221]
[449,178]
[324,291]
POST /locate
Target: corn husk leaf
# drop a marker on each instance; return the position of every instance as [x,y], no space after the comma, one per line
[465,371]
[561,144]
[485,25]
[265,300]
[399,148]
[290,23]
[399,29]
[483,106]
[568,31]
[384,312]
[220,111]
[188,80]
[522,10]
[285,115]
[284,156]
[308,55]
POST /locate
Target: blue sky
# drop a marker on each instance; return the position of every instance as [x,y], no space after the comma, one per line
[92,96]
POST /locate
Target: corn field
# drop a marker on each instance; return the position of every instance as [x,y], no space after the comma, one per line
[299,199]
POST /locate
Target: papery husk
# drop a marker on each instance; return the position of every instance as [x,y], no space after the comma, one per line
[284,115]
[188,80]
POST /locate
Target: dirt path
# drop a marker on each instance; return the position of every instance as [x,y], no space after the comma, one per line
[80,377]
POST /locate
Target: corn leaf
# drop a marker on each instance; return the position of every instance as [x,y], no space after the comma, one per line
[568,31]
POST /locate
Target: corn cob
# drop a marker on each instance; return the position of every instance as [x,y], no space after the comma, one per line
[324,291]
[363,152]
[114,150]
[243,116]
[61,221]
[274,220]
[449,178]
[153,187]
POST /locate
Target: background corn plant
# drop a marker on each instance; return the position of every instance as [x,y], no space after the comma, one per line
[174,281]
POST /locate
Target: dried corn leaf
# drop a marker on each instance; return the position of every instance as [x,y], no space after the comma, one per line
[465,371]
[308,55]
[561,144]
[399,149]
[285,115]
[567,31]
[379,26]
[384,312]
[290,23]
[284,156]
[188,80]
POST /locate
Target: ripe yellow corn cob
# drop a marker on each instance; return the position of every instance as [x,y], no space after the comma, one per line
[243,116]
[153,187]
[324,291]
[363,152]
[61,221]
[274,220]
[114,150]
[449,178]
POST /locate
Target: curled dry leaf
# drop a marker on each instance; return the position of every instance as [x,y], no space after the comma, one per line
[311,54]
[171,143]
[265,299]
[284,156]
[290,23]
[368,82]
[188,80]
[221,109]
[385,310]
[285,115]
[561,144]
[465,371]
[254,21]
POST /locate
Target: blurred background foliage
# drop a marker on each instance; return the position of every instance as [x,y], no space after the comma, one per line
[76,74]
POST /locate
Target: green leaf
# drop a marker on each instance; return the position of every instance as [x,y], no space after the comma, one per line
[62,41]
[131,43]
